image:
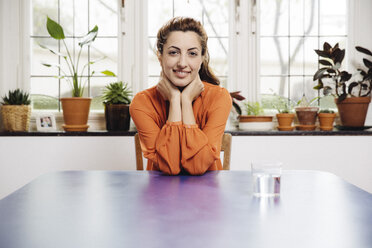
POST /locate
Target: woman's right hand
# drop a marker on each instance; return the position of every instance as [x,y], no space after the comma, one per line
[167,89]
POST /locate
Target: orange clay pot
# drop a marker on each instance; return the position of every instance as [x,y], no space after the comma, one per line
[75,113]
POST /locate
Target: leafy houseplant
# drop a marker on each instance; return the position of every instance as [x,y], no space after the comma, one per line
[254,118]
[284,116]
[353,98]
[75,109]
[116,98]
[16,111]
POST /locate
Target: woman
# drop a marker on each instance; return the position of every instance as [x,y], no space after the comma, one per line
[181,120]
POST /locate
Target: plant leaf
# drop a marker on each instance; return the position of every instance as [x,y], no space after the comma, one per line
[351,86]
[319,73]
[89,37]
[108,73]
[55,30]
[323,53]
[325,62]
[367,63]
[326,46]
[338,56]
[345,76]
[363,50]
[342,97]
[52,51]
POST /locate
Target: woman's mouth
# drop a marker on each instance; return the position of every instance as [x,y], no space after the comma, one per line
[181,74]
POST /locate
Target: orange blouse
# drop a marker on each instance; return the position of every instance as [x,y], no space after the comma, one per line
[173,147]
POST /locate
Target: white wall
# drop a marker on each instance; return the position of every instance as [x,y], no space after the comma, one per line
[24,158]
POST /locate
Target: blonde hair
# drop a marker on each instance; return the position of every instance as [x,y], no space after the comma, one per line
[189,24]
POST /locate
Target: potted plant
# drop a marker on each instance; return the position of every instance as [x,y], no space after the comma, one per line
[306,114]
[236,111]
[255,118]
[284,116]
[16,111]
[116,98]
[326,119]
[75,108]
[352,98]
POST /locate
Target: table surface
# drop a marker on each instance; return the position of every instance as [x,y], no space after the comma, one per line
[148,209]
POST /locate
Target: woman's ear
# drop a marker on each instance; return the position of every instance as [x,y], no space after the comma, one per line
[158,54]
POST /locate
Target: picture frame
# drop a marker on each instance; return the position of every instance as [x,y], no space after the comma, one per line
[46,123]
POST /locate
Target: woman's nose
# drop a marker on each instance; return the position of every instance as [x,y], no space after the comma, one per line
[182,61]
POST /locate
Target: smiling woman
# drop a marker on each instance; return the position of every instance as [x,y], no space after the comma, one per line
[181,120]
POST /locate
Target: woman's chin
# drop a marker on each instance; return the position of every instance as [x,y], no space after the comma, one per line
[181,83]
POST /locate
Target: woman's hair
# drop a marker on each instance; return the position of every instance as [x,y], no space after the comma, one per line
[189,24]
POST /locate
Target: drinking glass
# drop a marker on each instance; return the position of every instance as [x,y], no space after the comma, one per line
[266,178]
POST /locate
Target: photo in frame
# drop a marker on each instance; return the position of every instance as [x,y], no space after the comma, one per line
[45,123]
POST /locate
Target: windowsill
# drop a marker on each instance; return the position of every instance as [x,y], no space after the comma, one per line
[233,132]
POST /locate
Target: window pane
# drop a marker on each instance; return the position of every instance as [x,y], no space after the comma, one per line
[216,17]
[153,66]
[274,85]
[44,93]
[73,18]
[40,10]
[218,49]
[190,8]
[155,19]
[40,55]
[301,86]
[104,14]
[333,15]
[311,58]
[104,52]
[274,17]
[296,55]
[274,56]
[152,81]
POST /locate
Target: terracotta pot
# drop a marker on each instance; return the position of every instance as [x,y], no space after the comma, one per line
[117,117]
[75,113]
[285,121]
[353,111]
[306,115]
[326,121]
[255,122]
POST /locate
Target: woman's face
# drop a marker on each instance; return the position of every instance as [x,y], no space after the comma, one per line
[181,58]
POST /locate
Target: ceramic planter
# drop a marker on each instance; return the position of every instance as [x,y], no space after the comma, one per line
[117,117]
[255,122]
[75,113]
[326,121]
[285,121]
[306,117]
[353,111]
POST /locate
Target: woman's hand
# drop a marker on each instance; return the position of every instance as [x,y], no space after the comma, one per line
[167,89]
[193,90]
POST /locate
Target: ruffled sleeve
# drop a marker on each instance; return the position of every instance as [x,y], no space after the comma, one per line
[200,148]
[160,144]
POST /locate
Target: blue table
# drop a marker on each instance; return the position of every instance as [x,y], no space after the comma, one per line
[112,209]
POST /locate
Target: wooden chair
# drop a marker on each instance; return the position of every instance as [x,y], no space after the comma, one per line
[225,148]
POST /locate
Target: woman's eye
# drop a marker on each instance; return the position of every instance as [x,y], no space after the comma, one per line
[193,53]
[173,52]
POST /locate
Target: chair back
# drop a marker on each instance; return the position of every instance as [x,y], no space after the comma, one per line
[225,148]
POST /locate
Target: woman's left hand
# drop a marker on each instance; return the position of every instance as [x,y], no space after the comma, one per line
[193,90]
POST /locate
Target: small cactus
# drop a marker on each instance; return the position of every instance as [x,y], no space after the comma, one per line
[16,97]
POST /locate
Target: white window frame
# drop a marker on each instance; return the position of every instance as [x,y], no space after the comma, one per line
[243,55]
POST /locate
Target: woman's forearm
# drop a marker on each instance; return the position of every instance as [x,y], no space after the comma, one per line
[175,112]
[187,112]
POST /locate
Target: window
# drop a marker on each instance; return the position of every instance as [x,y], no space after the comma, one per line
[289,33]
[77,17]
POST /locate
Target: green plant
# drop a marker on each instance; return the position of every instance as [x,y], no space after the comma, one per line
[331,59]
[282,105]
[73,78]
[235,96]
[16,97]
[366,84]
[117,93]
[253,108]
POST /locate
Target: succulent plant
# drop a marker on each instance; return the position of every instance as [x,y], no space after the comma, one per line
[16,97]
[117,93]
